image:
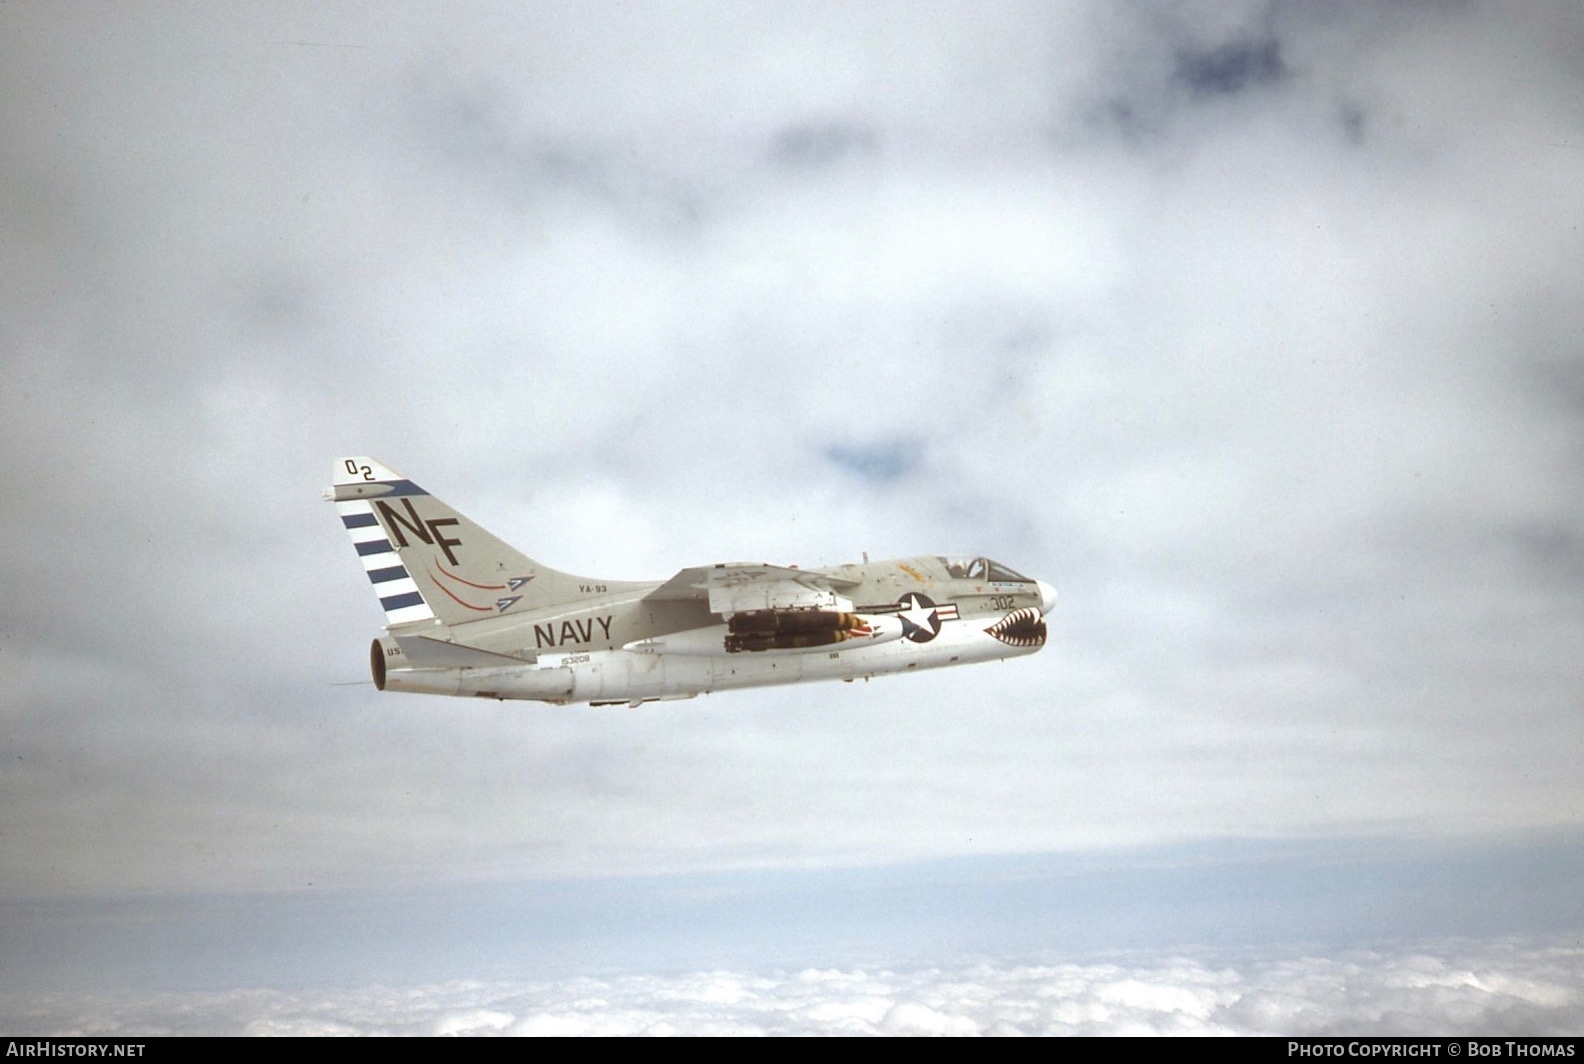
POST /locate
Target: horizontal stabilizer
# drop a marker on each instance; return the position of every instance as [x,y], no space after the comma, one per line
[425,653]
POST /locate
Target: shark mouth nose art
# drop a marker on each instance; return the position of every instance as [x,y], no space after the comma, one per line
[1020,628]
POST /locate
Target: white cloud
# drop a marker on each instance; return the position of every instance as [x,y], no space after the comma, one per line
[1456,987]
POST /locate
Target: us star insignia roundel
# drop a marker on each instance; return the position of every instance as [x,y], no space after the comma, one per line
[921,620]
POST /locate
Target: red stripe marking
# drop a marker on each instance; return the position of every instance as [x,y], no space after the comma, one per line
[469,583]
[459,602]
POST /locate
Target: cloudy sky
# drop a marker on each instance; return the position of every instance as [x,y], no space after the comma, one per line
[1253,327]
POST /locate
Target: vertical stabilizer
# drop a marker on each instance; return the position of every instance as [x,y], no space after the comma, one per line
[429,563]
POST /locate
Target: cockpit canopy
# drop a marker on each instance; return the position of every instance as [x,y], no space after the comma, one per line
[982,569]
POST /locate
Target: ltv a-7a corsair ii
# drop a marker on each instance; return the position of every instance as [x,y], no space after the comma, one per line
[468,615]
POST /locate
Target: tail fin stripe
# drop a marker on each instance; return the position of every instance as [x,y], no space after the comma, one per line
[420,612]
[395,587]
[396,602]
[400,487]
[393,584]
[367,534]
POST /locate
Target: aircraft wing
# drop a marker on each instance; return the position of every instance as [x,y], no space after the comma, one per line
[738,588]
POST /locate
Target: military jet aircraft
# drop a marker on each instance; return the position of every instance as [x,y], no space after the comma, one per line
[468,615]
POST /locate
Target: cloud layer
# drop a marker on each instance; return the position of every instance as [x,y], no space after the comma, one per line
[1494,987]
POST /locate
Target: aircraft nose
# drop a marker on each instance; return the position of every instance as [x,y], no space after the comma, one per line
[1047,596]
